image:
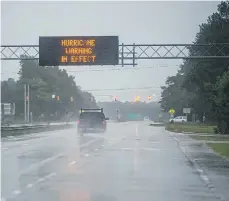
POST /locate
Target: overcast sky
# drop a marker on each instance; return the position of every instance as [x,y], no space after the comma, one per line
[134,22]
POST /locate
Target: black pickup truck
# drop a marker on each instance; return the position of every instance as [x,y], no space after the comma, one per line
[91,120]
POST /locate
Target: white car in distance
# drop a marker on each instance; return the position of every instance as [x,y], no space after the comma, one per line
[146,118]
[178,119]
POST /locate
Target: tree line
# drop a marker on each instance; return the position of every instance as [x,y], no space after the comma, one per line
[203,84]
[53,93]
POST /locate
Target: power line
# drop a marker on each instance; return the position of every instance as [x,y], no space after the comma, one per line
[110,69]
[115,69]
[122,89]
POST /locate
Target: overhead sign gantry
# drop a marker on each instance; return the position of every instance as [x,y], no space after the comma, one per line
[106,50]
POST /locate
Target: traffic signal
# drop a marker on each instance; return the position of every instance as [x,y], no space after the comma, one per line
[149,98]
[115,98]
[57,98]
[137,98]
[71,99]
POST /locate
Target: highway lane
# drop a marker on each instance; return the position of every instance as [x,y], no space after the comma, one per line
[132,161]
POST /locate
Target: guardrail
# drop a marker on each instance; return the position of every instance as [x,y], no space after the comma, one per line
[27,129]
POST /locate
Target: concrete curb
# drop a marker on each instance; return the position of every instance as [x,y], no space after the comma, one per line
[157,125]
[201,173]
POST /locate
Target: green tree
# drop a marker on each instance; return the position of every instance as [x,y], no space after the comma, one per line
[222,103]
[174,95]
[200,77]
[44,82]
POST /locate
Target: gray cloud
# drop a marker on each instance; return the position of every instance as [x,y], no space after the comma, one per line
[134,22]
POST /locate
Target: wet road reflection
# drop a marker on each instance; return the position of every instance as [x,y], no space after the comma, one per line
[130,162]
[73,195]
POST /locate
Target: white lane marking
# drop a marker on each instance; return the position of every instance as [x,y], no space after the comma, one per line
[95,150]
[47,160]
[36,165]
[155,142]
[205,178]
[137,128]
[145,149]
[150,149]
[5,148]
[29,186]
[52,174]
[25,144]
[41,179]
[103,145]
[16,192]
[44,178]
[127,148]
[72,163]
[200,171]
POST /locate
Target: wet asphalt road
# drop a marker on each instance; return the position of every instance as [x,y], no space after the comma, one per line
[131,162]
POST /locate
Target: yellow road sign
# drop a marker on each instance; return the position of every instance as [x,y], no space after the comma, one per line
[171,111]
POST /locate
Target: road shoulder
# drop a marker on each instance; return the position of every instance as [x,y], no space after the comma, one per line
[213,169]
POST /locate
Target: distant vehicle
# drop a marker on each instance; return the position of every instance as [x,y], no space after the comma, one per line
[178,119]
[118,117]
[91,120]
[146,118]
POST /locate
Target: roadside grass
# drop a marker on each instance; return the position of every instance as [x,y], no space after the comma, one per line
[220,148]
[211,138]
[193,128]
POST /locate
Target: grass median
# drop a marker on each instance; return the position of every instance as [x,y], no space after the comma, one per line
[220,148]
[211,138]
[192,128]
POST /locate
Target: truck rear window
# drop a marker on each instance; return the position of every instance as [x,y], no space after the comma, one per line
[92,115]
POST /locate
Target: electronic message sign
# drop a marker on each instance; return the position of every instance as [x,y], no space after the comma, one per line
[78,50]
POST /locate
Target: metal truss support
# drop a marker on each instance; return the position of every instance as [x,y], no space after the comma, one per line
[18,52]
[129,54]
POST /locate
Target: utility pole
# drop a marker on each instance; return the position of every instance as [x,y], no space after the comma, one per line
[25,105]
[28,113]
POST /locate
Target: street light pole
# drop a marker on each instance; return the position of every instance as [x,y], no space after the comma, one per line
[25,105]
[28,105]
